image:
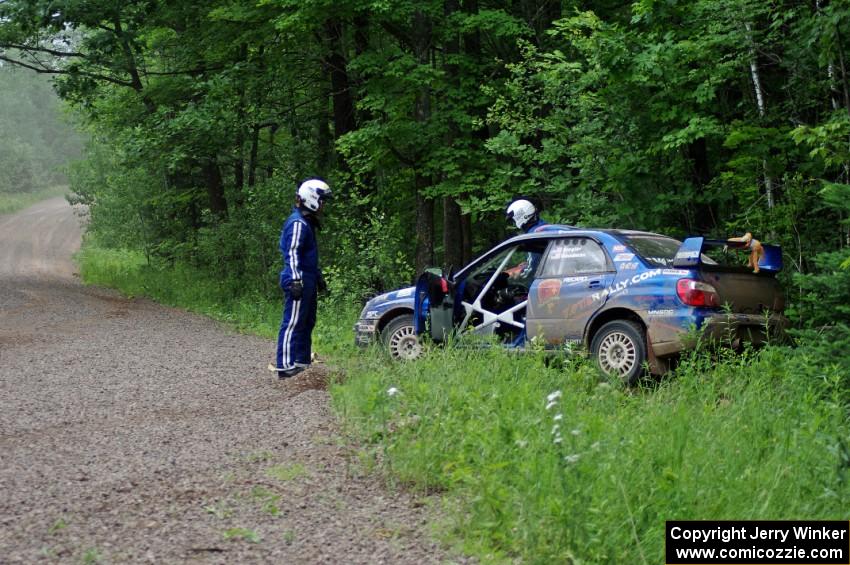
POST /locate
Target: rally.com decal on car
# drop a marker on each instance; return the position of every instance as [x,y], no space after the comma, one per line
[637,279]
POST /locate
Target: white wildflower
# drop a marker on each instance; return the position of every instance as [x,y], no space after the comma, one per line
[554,396]
[521,443]
[557,439]
[555,429]
[572,458]
[551,405]
[576,432]
[595,445]
[393,391]
[558,417]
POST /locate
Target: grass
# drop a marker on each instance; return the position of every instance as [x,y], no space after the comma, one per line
[242,534]
[287,472]
[593,477]
[10,203]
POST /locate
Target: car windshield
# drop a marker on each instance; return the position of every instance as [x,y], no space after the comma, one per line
[657,250]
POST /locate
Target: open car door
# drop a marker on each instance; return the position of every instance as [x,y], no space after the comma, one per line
[487,298]
[434,305]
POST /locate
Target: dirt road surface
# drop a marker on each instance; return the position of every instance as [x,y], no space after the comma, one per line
[132,432]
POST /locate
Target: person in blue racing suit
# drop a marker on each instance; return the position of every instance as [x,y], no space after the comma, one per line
[300,278]
[526,217]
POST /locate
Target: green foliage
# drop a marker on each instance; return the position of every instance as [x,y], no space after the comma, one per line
[593,477]
[37,143]
[641,115]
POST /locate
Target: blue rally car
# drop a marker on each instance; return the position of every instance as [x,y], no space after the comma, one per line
[630,298]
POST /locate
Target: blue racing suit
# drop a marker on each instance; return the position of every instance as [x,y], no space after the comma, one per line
[300,263]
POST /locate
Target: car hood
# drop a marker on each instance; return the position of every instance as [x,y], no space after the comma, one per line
[380,303]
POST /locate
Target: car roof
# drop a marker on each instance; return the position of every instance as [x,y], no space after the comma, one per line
[558,230]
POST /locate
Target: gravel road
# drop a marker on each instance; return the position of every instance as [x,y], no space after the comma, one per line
[132,432]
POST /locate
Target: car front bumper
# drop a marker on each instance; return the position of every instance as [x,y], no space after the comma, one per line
[365,332]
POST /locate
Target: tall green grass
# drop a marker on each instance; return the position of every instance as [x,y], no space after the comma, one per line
[594,477]
[759,436]
[10,203]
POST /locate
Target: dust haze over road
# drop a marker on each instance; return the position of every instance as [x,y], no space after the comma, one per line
[132,432]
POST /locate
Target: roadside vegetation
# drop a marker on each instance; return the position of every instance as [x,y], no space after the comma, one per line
[716,117]
[545,459]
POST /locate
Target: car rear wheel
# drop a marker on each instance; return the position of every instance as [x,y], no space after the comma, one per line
[399,337]
[619,348]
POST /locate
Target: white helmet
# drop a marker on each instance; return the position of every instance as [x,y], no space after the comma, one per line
[312,192]
[521,212]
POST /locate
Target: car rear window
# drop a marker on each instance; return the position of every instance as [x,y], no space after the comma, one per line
[657,250]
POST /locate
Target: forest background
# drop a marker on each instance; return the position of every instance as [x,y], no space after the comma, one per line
[702,116]
[710,116]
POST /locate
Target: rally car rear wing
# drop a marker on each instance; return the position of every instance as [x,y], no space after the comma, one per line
[690,253]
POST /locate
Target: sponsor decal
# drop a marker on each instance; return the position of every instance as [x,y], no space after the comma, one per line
[687,254]
[549,288]
[628,267]
[626,283]
[567,252]
[404,292]
[675,272]
[372,314]
[619,248]
[661,313]
[574,279]
[624,257]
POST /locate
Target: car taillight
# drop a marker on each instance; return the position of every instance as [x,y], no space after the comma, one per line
[444,285]
[697,293]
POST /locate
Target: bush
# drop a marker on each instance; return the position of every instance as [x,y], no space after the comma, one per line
[549,465]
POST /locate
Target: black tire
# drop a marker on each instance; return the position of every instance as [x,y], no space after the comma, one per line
[400,339]
[619,348]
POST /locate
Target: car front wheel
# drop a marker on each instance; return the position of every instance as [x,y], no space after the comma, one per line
[400,339]
[620,350]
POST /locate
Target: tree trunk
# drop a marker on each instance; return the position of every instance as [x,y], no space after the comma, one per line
[132,65]
[422,114]
[270,167]
[215,188]
[452,231]
[343,102]
[698,153]
[452,234]
[324,143]
[466,231]
[424,224]
[539,14]
[754,73]
[242,119]
[252,158]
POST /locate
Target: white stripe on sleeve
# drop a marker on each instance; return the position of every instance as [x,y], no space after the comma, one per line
[293,251]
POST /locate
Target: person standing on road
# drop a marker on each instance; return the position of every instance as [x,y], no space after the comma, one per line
[300,278]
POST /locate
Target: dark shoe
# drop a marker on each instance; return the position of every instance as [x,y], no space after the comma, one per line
[281,375]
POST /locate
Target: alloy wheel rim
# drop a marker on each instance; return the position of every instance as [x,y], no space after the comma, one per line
[404,344]
[617,354]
